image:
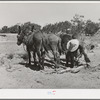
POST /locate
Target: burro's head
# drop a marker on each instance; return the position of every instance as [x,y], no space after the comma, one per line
[20,36]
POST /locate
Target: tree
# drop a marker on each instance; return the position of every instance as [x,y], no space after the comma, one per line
[26,27]
[91,27]
[4,29]
[78,24]
[57,27]
[13,29]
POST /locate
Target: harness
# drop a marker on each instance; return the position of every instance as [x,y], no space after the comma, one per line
[24,47]
[26,41]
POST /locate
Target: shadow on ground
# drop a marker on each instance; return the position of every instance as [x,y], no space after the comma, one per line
[36,67]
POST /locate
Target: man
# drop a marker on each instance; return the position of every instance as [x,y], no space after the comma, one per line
[72,52]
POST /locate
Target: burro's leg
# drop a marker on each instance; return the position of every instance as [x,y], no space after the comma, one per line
[29,55]
[82,50]
[55,59]
[34,56]
[40,55]
[56,56]
[42,58]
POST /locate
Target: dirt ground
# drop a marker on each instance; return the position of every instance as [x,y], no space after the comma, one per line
[15,74]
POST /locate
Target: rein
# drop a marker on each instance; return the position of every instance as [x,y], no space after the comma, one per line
[25,40]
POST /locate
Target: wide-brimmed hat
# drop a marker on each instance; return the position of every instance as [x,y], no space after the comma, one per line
[73,45]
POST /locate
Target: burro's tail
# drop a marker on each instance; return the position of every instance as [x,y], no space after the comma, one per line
[59,46]
[45,48]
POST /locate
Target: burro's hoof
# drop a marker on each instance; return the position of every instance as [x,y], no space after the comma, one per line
[41,68]
[27,64]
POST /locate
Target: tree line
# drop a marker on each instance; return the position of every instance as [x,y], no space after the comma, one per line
[14,28]
[76,25]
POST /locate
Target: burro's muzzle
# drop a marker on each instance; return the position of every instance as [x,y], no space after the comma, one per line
[18,40]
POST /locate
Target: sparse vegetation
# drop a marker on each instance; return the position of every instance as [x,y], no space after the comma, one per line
[76,24]
[19,75]
[10,56]
[24,56]
[14,28]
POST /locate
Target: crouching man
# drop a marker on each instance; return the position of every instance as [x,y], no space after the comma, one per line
[74,52]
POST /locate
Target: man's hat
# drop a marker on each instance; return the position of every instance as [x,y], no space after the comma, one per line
[73,45]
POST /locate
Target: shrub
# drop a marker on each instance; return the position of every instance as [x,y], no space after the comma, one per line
[10,56]
[24,56]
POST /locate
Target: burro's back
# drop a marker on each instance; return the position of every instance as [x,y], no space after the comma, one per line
[53,38]
[55,42]
[37,37]
[51,42]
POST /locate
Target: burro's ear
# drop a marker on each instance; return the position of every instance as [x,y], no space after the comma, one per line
[18,36]
[32,28]
[19,30]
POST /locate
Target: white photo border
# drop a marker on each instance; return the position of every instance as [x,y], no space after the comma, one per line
[47,93]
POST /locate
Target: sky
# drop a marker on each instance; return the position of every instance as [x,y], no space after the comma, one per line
[45,13]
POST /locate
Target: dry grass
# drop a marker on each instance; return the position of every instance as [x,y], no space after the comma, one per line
[10,56]
[24,56]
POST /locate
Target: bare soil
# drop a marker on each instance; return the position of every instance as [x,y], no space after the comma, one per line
[16,74]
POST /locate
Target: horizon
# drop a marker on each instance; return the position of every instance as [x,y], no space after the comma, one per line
[46,13]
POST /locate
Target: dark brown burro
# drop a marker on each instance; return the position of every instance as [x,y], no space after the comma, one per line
[40,43]
[71,55]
